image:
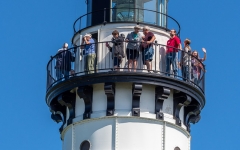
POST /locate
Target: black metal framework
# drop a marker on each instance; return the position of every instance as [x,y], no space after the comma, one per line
[82,23]
[104,63]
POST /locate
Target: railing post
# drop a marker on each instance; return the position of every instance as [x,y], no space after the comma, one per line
[104,15]
[80,25]
[155,56]
[138,16]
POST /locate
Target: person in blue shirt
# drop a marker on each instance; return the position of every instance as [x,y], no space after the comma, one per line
[89,53]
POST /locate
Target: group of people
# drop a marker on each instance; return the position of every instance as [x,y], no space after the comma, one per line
[190,63]
[136,42]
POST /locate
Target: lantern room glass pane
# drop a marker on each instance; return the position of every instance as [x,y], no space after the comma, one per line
[127,10]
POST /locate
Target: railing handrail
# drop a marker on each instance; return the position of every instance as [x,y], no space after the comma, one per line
[52,64]
[126,21]
[157,44]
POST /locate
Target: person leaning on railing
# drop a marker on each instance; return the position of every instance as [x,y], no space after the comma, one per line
[63,62]
[197,67]
[134,39]
[185,60]
[173,44]
[147,44]
[117,49]
[89,53]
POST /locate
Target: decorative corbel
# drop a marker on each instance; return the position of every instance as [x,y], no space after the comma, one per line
[179,100]
[58,114]
[86,93]
[69,100]
[191,115]
[136,94]
[161,93]
[109,89]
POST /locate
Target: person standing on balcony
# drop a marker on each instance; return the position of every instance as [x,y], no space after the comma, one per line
[89,53]
[185,61]
[134,39]
[117,49]
[173,44]
[148,51]
[197,65]
[63,64]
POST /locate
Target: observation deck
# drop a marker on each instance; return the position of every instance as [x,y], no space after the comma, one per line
[104,72]
[74,93]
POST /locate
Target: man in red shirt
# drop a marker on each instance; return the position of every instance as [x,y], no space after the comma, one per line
[173,45]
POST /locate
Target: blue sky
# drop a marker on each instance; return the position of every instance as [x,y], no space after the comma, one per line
[31,31]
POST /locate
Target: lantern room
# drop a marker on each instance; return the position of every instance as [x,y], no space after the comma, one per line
[127,11]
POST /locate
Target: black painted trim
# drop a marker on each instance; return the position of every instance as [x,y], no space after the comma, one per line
[68,100]
[86,92]
[180,100]
[191,115]
[58,110]
[143,78]
[136,94]
[161,93]
[109,89]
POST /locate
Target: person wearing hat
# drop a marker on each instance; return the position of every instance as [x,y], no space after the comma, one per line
[185,59]
[89,53]
[64,58]
[134,39]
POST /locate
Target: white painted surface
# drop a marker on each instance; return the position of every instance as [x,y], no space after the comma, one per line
[181,115]
[125,133]
[137,134]
[99,98]
[67,142]
[176,137]
[168,104]
[100,134]
[79,106]
[147,99]
[123,99]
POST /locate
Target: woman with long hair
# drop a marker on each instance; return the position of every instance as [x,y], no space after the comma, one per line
[197,66]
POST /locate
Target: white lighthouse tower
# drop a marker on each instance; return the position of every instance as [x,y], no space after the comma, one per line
[123,110]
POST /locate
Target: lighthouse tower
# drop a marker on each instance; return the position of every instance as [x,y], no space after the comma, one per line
[121,109]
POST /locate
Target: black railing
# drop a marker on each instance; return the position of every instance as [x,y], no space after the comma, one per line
[126,15]
[75,62]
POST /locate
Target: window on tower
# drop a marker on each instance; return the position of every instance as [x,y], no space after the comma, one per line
[85,145]
[177,148]
[147,11]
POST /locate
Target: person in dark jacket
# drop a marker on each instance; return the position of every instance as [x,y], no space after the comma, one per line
[63,62]
[117,49]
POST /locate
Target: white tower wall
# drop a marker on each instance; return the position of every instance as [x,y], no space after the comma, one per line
[125,133]
[122,131]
